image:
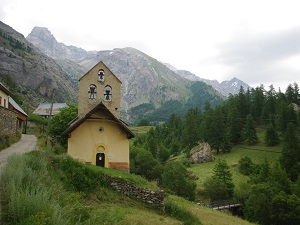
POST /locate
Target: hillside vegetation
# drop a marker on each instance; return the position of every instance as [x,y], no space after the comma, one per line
[254,136]
[43,188]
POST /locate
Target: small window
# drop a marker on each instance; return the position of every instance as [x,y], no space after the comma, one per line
[92,92]
[101,75]
[107,93]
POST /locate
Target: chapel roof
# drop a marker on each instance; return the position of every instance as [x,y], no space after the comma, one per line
[77,122]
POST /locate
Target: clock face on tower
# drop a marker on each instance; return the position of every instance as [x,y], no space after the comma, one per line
[101,75]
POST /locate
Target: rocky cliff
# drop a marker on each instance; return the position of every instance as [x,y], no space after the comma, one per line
[28,66]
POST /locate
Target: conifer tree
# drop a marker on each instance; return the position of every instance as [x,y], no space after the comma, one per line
[290,158]
[249,131]
[222,172]
[215,130]
[235,125]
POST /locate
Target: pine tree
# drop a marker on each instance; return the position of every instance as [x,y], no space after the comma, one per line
[215,130]
[249,131]
[222,172]
[290,158]
[271,136]
[235,126]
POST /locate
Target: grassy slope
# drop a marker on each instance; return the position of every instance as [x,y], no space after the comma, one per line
[52,196]
[258,153]
[209,216]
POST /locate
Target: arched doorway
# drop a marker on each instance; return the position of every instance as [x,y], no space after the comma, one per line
[100,159]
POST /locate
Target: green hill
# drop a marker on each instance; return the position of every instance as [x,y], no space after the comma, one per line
[43,188]
[258,154]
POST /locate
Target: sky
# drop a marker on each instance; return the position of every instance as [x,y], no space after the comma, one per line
[257,41]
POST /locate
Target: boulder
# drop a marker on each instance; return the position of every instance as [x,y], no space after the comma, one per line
[201,153]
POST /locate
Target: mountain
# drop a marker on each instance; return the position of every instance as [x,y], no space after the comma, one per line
[225,88]
[147,84]
[42,38]
[32,70]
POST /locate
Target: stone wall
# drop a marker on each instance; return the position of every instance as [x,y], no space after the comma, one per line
[142,194]
[8,120]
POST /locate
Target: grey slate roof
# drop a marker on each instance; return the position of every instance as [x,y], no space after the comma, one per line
[16,106]
[44,109]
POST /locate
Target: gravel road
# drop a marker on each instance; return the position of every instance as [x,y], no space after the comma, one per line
[26,144]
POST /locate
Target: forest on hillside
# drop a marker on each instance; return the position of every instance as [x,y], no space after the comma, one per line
[272,195]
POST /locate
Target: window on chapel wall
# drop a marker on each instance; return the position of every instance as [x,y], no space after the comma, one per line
[92,91]
[107,93]
[101,75]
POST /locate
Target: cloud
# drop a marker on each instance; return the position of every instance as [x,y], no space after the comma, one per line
[266,58]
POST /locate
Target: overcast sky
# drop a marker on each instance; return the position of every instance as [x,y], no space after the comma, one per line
[257,41]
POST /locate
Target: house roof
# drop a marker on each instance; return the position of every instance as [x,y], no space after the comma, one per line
[112,118]
[4,89]
[101,62]
[16,106]
[44,109]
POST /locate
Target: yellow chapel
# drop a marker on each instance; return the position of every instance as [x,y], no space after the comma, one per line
[97,135]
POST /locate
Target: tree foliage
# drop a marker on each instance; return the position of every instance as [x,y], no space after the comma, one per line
[290,158]
[235,122]
[220,185]
[59,122]
[175,178]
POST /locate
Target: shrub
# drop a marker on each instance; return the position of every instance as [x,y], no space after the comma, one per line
[4,142]
[246,166]
[175,178]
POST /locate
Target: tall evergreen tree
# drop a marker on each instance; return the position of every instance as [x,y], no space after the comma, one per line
[290,158]
[215,131]
[258,101]
[235,125]
[249,131]
[292,94]
[191,131]
[270,104]
[222,172]
[271,136]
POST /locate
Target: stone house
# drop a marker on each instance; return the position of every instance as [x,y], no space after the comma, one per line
[97,135]
[12,116]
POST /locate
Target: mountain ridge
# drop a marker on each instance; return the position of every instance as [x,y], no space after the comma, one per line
[81,56]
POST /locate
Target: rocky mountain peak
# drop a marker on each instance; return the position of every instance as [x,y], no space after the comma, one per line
[44,35]
[44,40]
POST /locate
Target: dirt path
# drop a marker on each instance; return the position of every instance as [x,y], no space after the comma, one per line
[26,144]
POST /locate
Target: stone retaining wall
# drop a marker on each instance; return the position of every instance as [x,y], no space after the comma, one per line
[8,121]
[142,194]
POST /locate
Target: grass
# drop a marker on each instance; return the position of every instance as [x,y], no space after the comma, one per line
[207,216]
[42,188]
[258,154]
[39,188]
[140,129]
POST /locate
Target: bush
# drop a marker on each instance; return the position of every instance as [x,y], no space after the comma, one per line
[4,142]
[216,189]
[175,178]
[76,176]
[246,166]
